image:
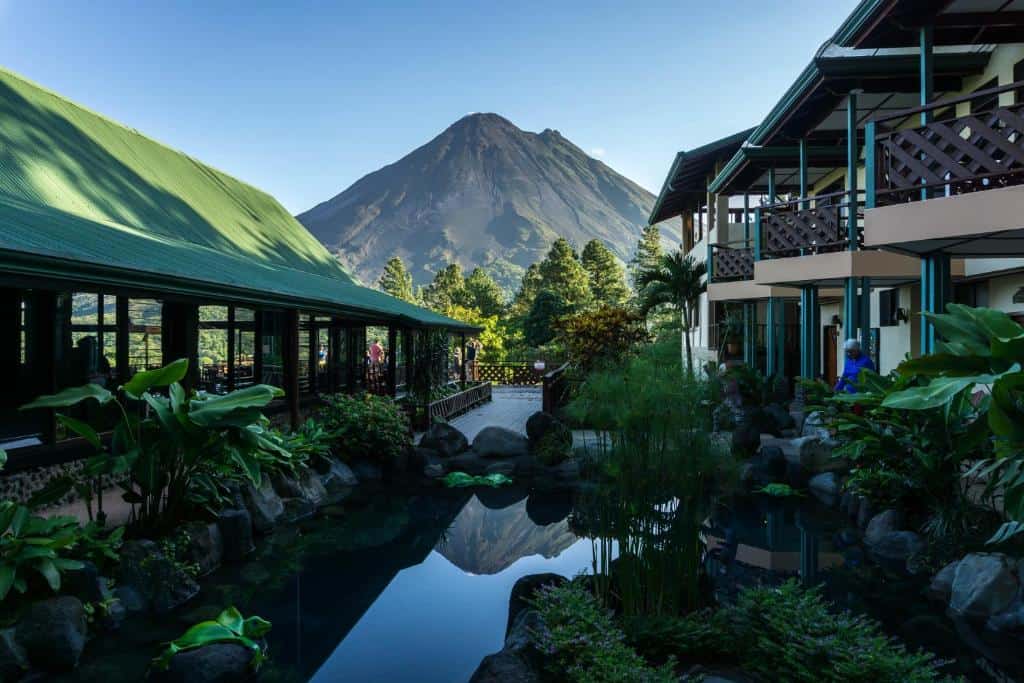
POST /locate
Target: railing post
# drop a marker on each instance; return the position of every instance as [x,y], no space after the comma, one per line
[870,165]
[771,185]
[746,218]
[710,263]
[757,234]
[852,156]
[805,204]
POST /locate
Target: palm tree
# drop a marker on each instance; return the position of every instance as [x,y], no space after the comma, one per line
[676,281]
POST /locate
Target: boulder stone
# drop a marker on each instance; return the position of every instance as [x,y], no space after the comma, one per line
[159,579]
[130,599]
[825,487]
[865,513]
[942,583]
[523,590]
[558,477]
[13,660]
[1010,620]
[983,585]
[809,452]
[780,417]
[896,547]
[519,633]
[501,467]
[305,485]
[499,442]
[469,462]
[435,467]
[236,534]
[205,546]
[814,425]
[53,633]
[85,583]
[750,424]
[445,440]
[883,523]
[297,510]
[538,424]
[367,471]
[506,666]
[545,509]
[264,505]
[214,663]
[338,480]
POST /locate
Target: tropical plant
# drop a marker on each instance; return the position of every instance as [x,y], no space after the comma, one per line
[99,544]
[777,490]
[462,480]
[229,627]
[981,347]
[366,427]
[310,443]
[172,452]
[677,281]
[581,642]
[602,335]
[911,459]
[34,547]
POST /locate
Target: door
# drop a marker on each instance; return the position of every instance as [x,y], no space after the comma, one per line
[830,345]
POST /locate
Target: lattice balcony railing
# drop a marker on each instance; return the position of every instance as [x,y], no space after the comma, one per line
[729,264]
[952,154]
[807,226]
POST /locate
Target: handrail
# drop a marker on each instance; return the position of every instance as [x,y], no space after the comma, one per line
[942,104]
[728,245]
[813,198]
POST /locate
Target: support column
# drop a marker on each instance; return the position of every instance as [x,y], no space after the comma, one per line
[936,292]
[290,361]
[852,158]
[750,334]
[865,317]
[772,194]
[803,174]
[810,329]
[746,218]
[462,356]
[775,331]
[851,309]
[392,360]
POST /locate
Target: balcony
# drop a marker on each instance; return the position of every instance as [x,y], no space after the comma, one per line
[954,184]
[807,226]
[731,263]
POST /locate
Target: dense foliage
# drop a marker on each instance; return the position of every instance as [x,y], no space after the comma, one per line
[601,336]
[581,642]
[605,276]
[366,427]
[396,280]
[677,281]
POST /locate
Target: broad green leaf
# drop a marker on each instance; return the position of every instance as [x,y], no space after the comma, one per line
[231,618]
[82,429]
[46,567]
[209,412]
[3,458]
[162,407]
[255,628]
[55,489]
[21,516]
[995,324]
[248,464]
[142,382]
[945,364]
[70,397]
[7,573]
[936,393]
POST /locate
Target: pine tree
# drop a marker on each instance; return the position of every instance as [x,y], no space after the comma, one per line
[396,280]
[607,279]
[648,253]
[561,272]
[528,290]
[447,290]
[484,294]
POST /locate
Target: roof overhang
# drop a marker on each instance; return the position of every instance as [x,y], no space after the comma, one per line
[891,23]
[748,290]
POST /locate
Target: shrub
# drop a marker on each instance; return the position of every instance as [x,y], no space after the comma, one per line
[366,427]
[582,644]
[607,334]
[555,446]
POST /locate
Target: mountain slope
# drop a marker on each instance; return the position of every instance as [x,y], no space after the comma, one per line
[483,192]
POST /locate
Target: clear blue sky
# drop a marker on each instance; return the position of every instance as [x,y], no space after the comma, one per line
[305,99]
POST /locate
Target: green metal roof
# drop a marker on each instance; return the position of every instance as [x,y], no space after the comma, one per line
[686,178]
[84,198]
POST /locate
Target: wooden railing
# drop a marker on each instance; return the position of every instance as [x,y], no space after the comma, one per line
[508,373]
[555,390]
[951,154]
[729,264]
[457,404]
[807,226]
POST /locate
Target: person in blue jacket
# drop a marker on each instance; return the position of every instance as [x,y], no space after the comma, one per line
[855,362]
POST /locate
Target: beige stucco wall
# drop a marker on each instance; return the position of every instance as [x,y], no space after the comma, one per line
[1001,291]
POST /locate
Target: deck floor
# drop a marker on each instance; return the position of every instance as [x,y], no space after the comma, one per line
[510,407]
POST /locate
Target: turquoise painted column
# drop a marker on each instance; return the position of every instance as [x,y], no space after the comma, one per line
[750,334]
[865,316]
[936,292]
[851,309]
[746,218]
[810,328]
[772,195]
[770,340]
[775,330]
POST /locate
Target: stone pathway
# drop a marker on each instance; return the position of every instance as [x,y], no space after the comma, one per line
[509,408]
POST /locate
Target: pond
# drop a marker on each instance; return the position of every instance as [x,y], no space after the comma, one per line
[414,586]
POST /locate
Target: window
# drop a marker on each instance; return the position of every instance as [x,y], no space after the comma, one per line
[227,348]
[888,307]
[145,342]
[271,350]
[974,294]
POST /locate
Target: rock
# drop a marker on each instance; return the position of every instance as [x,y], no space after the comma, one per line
[421,457]
[264,505]
[53,633]
[538,424]
[523,590]
[1010,620]
[983,585]
[883,523]
[519,633]
[809,452]
[205,546]
[501,467]
[236,534]
[780,417]
[751,423]
[506,666]
[499,442]
[85,583]
[305,485]
[158,579]
[338,474]
[865,512]
[545,509]
[435,470]
[814,425]
[896,547]
[942,583]
[772,461]
[849,503]
[469,462]
[846,538]
[297,510]
[825,487]
[130,598]
[367,471]
[215,663]
[114,615]
[13,660]
[559,477]
[797,476]
[445,440]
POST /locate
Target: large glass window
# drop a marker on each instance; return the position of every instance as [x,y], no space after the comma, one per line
[271,349]
[93,353]
[145,343]
[307,353]
[227,348]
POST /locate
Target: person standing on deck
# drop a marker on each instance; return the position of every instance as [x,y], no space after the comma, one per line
[855,362]
[376,352]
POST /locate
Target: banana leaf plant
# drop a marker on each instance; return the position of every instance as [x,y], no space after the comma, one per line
[980,347]
[171,448]
[229,627]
